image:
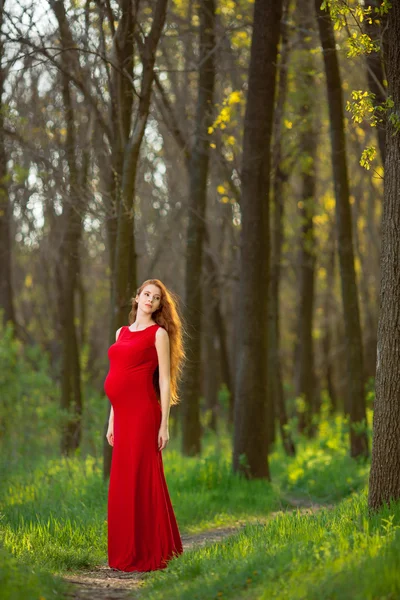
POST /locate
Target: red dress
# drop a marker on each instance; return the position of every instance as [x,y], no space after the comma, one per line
[142,530]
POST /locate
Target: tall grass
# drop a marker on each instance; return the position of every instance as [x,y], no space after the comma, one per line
[54,514]
[53,510]
[334,554]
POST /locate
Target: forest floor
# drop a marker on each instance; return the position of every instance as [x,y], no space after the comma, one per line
[103,583]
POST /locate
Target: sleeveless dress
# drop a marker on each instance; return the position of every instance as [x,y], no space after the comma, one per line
[142,529]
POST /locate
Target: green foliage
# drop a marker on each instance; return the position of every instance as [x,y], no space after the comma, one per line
[336,553]
[367,156]
[29,408]
[322,469]
[21,582]
[361,43]
[351,15]
[54,511]
[363,108]
[341,10]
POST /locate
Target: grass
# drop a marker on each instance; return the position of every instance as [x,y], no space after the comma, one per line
[53,514]
[25,582]
[53,510]
[335,553]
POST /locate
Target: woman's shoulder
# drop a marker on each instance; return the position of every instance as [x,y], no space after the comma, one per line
[161,332]
[118,332]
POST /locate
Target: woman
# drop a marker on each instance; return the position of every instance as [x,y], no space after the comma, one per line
[145,365]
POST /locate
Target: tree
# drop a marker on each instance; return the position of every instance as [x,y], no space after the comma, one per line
[277,404]
[68,267]
[198,171]
[384,481]
[375,70]
[123,130]
[6,289]
[304,375]
[355,379]
[250,452]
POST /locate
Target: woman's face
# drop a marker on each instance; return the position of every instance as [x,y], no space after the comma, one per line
[149,299]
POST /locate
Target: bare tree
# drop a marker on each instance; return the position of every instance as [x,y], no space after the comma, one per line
[356,393]
[304,373]
[250,453]
[277,404]
[191,429]
[6,288]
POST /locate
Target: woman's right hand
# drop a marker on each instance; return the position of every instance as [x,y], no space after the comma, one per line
[110,434]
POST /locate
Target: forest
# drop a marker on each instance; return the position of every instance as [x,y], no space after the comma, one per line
[246,153]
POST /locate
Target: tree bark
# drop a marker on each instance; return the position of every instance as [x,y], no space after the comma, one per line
[277,398]
[375,70]
[250,444]
[384,482]
[67,268]
[328,310]
[191,427]
[369,329]
[304,379]
[126,148]
[6,287]
[356,394]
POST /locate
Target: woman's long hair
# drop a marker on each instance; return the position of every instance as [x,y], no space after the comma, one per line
[167,315]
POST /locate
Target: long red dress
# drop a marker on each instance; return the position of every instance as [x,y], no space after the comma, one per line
[142,530]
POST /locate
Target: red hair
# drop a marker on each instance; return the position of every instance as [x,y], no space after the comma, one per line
[167,315]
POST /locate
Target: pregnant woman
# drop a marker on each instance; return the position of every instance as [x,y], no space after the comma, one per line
[145,365]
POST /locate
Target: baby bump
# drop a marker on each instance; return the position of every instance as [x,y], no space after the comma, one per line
[129,387]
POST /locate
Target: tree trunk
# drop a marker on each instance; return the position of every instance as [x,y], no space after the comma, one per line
[384,482]
[226,374]
[358,433]
[67,269]
[211,377]
[126,146]
[370,325]
[375,70]
[6,288]
[191,427]
[304,352]
[250,444]
[328,310]
[218,324]
[277,399]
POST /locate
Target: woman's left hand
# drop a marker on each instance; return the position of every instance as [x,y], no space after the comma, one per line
[163,437]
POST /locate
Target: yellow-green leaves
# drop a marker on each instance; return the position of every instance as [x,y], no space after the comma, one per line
[340,12]
[226,119]
[361,43]
[226,111]
[362,106]
[367,156]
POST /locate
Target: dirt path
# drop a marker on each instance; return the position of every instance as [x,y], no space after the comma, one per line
[103,583]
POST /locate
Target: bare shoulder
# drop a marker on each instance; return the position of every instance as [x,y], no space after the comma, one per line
[162,334]
[117,334]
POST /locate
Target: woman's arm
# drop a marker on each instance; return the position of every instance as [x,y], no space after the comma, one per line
[164,367]
[111,418]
